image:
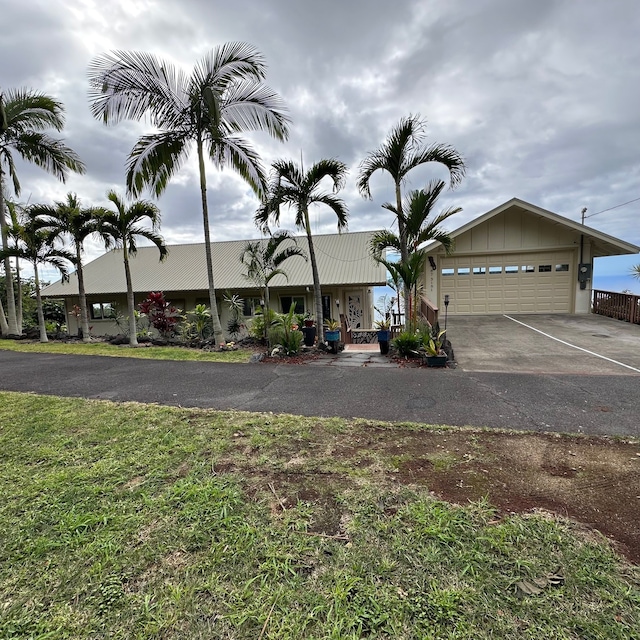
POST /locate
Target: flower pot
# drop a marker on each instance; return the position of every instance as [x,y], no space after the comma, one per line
[384,347]
[333,338]
[436,361]
[309,335]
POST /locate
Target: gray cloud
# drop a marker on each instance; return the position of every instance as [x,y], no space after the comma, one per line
[541,98]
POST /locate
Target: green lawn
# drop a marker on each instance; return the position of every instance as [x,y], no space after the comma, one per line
[137,521]
[124,351]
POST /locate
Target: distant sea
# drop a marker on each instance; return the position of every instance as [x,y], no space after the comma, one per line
[616,283]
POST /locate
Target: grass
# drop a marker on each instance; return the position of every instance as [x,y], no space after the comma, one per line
[124,351]
[137,521]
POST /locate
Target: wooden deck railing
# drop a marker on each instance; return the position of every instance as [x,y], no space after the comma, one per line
[623,306]
[428,310]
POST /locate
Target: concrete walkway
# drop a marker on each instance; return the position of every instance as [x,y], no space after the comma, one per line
[357,355]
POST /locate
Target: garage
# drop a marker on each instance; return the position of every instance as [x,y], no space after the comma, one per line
[512,283]
[517,258]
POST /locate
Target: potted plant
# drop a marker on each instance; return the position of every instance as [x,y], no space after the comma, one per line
[432,345]
[384,334]
[332,333]
[308,330]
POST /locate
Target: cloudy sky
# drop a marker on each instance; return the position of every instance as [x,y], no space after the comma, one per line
[542,98]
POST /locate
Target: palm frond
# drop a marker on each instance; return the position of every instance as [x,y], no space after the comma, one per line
[50,154]
[237,153]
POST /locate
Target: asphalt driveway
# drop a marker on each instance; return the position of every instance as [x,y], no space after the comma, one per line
[546,344]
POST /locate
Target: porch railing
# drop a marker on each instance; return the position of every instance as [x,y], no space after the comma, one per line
[428,310]
[622,306]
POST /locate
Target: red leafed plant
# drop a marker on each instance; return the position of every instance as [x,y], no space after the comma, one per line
[163,316]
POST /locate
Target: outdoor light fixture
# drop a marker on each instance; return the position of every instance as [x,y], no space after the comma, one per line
[446,309]
[432,262]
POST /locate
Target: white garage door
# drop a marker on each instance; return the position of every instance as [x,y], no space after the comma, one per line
[516,283]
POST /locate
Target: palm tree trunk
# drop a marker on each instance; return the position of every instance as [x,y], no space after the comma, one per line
[317,293]
[404,255]
[133,338]
[12,322]
[218,335]
[266,313]
[4,327]
[19,318]
[84,317]
[41,323]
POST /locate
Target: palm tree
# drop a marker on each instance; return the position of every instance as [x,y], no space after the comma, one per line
[223,97]
[69,219]
[122,228]
[36,246]
[635,271]
[402,151]
[24,114]
[263,261]
[290,185]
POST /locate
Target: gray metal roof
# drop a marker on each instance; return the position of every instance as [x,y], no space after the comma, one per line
[343,259]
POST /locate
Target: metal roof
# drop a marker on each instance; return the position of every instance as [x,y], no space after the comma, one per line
[343,259]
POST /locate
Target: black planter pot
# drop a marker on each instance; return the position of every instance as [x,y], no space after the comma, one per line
[384,347]
[309,336]
[436,361]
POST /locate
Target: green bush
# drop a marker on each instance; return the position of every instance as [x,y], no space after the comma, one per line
[407,343]
[256,330]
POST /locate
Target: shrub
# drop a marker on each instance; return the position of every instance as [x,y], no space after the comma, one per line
[162,315]
[407,343]
[284,332]
[256,330]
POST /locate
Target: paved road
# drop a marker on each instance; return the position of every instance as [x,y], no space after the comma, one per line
[594,404]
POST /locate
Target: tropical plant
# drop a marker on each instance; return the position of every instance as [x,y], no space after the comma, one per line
[235,305]
[223,97]
[383,325]
[331,325]
[407,343]
[291,186]
[36,247]
[24,115]
[264,259]
[69,220]
[162,315]
[432,338]
[285,333]
[635,271]
[122,229]
[258,327]
[402,151]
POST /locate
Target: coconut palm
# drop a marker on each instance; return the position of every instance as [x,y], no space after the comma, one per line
[403,150]
[223,97]
[122,228]
[36,246]
[291,186]
[24,115]
[69,219]
[263,261]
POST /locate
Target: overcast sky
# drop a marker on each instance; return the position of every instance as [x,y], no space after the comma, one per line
[542,98]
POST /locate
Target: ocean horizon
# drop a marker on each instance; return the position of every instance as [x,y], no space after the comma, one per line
[616,283]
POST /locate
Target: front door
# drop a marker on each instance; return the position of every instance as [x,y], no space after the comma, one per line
[355,310]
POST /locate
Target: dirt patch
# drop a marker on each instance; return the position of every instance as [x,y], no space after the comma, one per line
[593,480]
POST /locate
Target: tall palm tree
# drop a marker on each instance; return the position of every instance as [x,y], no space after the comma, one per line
[291,186]
[263,261]
[635,271]
[24,115]
[122,228]
[36,246]
[403,150]
[69,219]
[223,97]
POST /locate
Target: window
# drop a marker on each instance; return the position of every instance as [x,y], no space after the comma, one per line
[286,302]
[544,268]
[479,271]
[448,272]
[102,311]
[511,269]
[495,270]
[562,267]
[464,271]
[250,306]
[528,268]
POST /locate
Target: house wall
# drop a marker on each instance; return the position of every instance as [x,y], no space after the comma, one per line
[186,301]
